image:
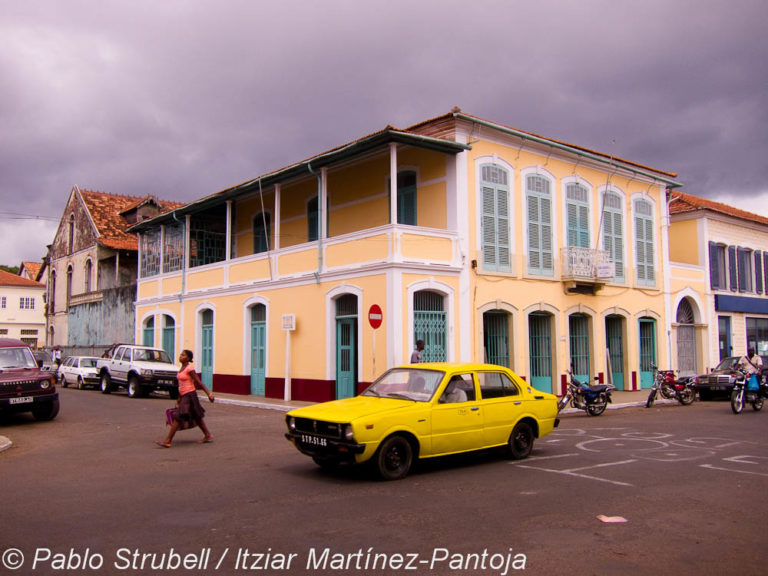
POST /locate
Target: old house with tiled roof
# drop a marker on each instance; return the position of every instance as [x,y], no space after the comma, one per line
[91,268]
[22,314]
[719,269]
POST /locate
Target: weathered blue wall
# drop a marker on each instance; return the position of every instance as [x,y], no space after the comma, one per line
[104,323]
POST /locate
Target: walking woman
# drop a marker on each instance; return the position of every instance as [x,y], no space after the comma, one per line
[189,408]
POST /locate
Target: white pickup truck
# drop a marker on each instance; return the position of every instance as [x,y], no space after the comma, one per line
[139,369]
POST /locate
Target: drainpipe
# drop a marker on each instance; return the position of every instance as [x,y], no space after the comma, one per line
[320,214]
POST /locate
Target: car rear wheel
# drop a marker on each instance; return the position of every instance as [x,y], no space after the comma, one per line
[394,458]
[520,443]
[105,383]
[62,381]
[46,410]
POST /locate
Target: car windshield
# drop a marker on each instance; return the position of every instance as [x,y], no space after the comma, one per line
[407,383]
[16,358]
[88,363]
[141,355]
[727,364]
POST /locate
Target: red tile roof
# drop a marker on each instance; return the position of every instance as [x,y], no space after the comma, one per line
[32,267]
[681,203]
[107,210]
[9,279]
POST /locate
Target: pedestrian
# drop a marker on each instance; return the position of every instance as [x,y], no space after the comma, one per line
[56,355]
[188,409]
[416,356]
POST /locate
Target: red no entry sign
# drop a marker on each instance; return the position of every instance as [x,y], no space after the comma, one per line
[375,316]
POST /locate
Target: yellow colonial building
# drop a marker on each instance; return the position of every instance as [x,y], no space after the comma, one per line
[488,243]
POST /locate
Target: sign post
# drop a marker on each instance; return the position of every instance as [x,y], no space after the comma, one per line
[375,317]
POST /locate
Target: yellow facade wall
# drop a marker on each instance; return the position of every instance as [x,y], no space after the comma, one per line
[211,278]
[147,289]
[249,271]
[171,285]
[684,242]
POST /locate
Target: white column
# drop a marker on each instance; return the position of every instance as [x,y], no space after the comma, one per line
[393,183]
[228,243]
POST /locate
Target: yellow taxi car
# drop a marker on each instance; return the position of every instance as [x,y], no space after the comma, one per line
[422,411]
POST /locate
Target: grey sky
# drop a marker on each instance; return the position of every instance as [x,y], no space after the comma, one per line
[182,98]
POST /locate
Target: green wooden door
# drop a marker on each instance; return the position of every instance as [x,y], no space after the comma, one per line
[496,337]
[429,325]
[578,327]
[148,335]
[345,357]
[258,349]
[647,351]
[206,362]
[540,342]
[615,341]
[169,337]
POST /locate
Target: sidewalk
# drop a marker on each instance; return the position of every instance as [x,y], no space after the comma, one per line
[620,399]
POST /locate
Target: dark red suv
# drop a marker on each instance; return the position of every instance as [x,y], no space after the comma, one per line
[23,386]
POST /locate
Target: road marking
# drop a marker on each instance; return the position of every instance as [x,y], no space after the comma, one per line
[712,467]
[573,472]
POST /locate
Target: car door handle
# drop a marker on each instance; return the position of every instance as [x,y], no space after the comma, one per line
[475,408]
[517,402]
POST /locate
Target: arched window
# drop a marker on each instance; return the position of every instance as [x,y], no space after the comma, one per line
[69,284]
[577,205]
[88,273]
[644,243]
[71,238]
[613,232]
[494,184]
[539,206]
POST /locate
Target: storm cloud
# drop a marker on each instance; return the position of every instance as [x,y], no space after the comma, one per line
[182,98]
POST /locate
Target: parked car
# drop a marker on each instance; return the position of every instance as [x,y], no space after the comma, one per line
[23,386]
[79,370]
[42,357]
[422,411]
[139,369]
[719,382]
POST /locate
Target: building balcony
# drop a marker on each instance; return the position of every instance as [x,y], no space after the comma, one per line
[86,298]
[585,270]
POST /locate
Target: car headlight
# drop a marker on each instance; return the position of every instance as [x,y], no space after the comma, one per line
[348,433]
[45,384]
[291,422]
[146,372]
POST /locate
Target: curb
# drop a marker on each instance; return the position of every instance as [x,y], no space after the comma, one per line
[5,443]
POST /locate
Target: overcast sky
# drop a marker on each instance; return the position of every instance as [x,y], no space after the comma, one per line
[183,98]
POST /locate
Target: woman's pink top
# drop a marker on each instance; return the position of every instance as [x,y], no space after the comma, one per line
[186,382]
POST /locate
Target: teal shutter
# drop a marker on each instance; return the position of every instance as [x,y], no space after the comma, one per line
[313,220]
[644,246]
[169,337]
[406,198]
[613,232]
[261,233]
[496,338]
[495,219]
[647,351]
[578,328]
[346,346]
[148,336]
[578,215]
[429,325]
[540,250]
[540,343]
[615,340]
[258,349]
[206,364]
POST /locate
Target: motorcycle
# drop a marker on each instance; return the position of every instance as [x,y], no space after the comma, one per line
[742,394]
[664,383]
[592,399]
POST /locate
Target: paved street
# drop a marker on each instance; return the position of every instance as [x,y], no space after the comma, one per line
[92,488]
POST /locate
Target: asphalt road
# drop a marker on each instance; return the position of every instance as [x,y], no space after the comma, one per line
[89,493]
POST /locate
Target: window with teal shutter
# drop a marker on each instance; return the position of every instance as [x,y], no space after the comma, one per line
[644,245]
[495,222]
[578,215]
[539,206]
[613,232]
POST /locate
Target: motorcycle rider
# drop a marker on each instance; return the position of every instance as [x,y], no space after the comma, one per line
[753,365]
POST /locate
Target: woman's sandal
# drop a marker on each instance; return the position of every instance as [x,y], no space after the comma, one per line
[163,444]
[205,440]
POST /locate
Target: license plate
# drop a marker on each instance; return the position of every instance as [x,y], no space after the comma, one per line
[165,381]
[22,400]
[719,388]
[313,440]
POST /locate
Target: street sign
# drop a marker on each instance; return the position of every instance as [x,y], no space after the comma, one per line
[375,316]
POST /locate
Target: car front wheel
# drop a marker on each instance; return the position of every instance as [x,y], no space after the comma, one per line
[134,387]
[46,411]
[394,458]
[520,444]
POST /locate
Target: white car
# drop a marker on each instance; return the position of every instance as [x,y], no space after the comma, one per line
[80,371]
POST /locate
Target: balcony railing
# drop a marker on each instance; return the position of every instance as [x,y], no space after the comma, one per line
[586,265]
